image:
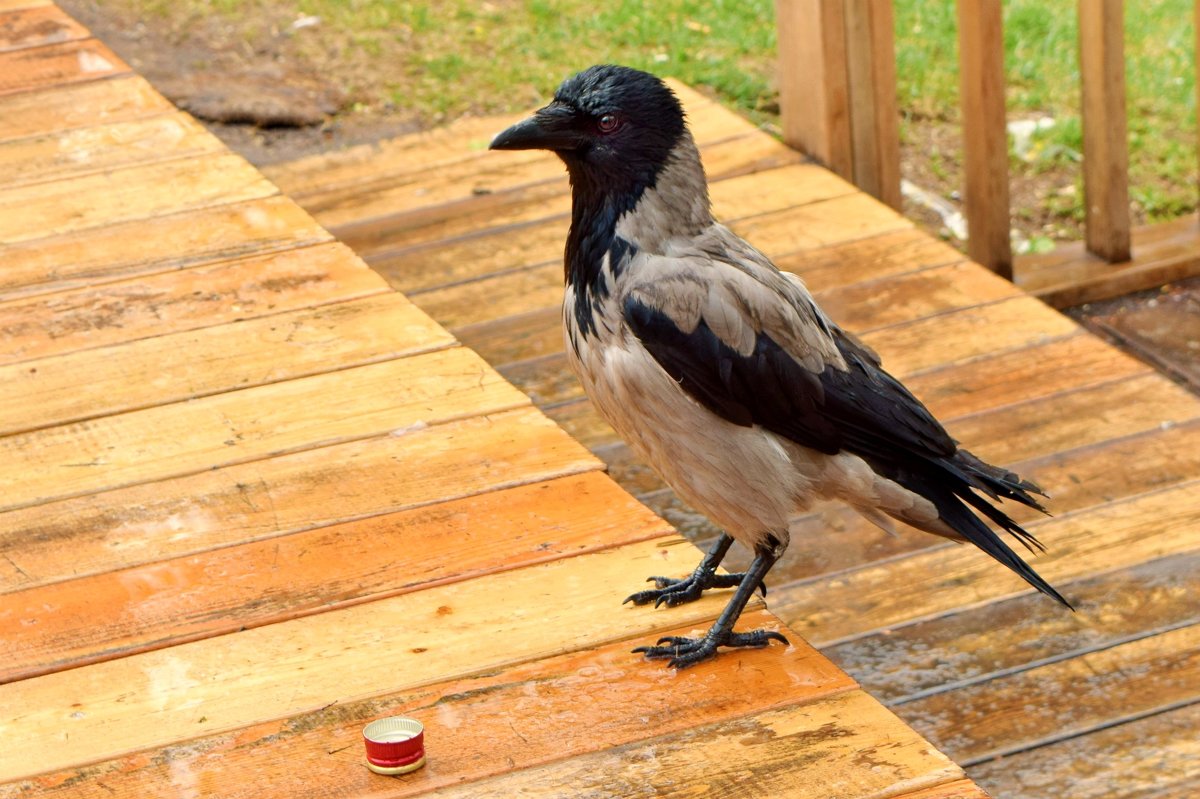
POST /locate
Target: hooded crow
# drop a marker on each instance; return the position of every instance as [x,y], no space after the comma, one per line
[722,372]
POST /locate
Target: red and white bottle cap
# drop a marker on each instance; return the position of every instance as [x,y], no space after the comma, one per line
[395,745]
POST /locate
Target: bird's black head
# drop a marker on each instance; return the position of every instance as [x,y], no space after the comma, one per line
[615,128]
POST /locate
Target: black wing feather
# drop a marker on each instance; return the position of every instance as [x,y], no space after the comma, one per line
[862,410]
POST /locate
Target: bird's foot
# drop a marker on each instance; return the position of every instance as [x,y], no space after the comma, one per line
[672,592]
[684,652]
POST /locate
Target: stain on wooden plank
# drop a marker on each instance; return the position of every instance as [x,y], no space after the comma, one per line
[514,718]
[63,206]
[118,99]
[154,699]
[846,746]
[310,412]
[151,246]
[841,607]
[1060,700]
[82,151]
[221,591]
[1150,758]
[173,302]
[291,493]
[56,64]
[35,26]
[171,367]
[976,645]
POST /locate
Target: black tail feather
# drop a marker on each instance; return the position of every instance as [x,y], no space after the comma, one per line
[964,480]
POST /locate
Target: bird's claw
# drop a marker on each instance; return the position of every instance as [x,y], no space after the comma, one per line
[672,592]
[684,652]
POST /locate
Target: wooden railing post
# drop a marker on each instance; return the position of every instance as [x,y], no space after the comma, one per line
[985,136]
[814,101]
[1105,144]
[837,89]
[874,117]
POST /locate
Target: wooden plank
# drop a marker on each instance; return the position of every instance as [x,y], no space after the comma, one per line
[171,367]
[819,224]
[985,138]
[34,26]
[1163,252]
[1105,150]
[36,68]
[493,250]
[1150,758]
[958,789]
[1060,700]
[814,93]
[81,151]
[871,75]
[300,491]
[977,645]
[240,426]
[118,99]
[853,604]
[160,604]
[870,258]
[173,302]
[471,732]
[388,236]
[497,179]
[153,699]
[14,5]
[810,751]
[143,247]
[64,206]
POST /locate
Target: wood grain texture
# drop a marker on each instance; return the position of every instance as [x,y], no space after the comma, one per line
[89,383]
[1010,713]
[1150,758]
[985,137]
[514,718]
[34,26]
[221,591]
[82,151]
[809,751]
[173,302]
[153,699]
[238,503]
[150,246]
[875,118]
[36,68]
[974,646]
[236,427]
[81,105]
[139,192]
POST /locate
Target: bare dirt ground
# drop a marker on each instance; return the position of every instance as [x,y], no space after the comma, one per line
[274,88]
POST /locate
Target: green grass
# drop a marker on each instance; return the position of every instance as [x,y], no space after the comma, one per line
[443,58]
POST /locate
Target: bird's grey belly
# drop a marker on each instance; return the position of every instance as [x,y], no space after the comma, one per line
[743,478]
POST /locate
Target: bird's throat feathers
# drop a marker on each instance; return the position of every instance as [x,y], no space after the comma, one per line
[612,220]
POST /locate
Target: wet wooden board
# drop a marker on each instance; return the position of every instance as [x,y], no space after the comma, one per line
[482,706]
[80,151]
[35,68]
[34,26]
[82,105]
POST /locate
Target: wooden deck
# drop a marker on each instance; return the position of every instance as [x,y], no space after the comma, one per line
[253,498]
[1034,701]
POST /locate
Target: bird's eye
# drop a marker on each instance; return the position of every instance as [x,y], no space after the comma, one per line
[608,123]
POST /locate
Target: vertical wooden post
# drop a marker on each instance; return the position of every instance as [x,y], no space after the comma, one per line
[985,137]
[874,124]
[813,94]
[1105,144]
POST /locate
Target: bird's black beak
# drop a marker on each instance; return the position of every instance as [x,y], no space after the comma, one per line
[551,128]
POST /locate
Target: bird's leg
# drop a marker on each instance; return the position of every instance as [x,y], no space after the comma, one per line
[684,652]
[677,592]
